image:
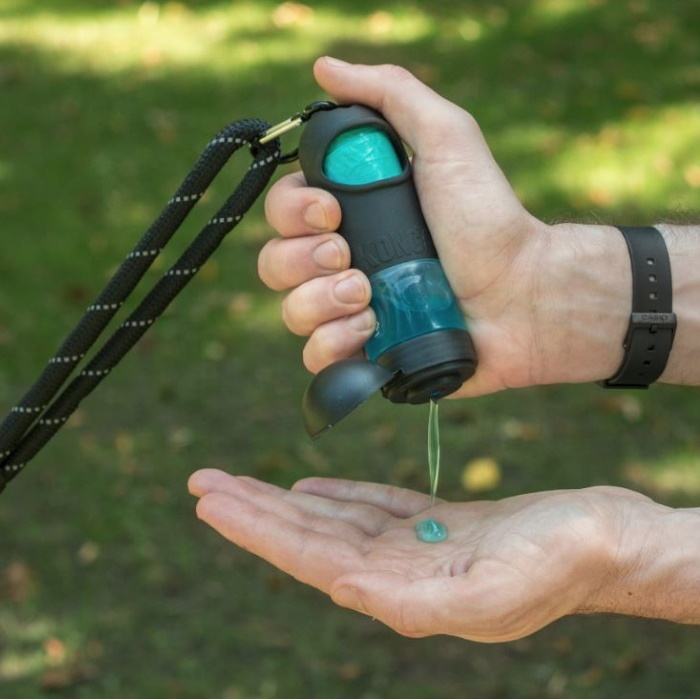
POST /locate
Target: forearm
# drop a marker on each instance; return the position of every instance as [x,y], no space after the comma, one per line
[683,244]
[586,298]
[656,568]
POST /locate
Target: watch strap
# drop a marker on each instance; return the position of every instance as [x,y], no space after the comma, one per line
[652,323]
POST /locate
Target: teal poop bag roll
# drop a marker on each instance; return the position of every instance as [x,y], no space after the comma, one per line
[360,156]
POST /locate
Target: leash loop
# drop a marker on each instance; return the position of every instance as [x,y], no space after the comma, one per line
[297,119]
[40,413]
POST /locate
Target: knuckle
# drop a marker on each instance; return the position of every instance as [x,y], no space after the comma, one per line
[326,342]
[279,199]
[445,124]
[467,117]
[468,121]
[270,204]
[293,314]
[271,259]
[459,124]
[204,506]
[315,354]
[309,358]
[338,339]
[394,73]
[264,265]
[288,314]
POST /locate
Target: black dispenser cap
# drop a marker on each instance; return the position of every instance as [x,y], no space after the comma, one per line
[429,366]
[339,389]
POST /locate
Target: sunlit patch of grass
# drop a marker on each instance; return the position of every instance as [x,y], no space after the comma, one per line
[22,645]
[556,10]
[237,36]
[648,158]
[16,664]
[145,37]
[677,473]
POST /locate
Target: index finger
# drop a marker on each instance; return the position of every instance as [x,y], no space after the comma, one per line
[312,557]
[399,502]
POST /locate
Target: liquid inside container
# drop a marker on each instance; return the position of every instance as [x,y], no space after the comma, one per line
[411,298]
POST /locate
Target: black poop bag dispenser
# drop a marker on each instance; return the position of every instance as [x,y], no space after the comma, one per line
[421,348]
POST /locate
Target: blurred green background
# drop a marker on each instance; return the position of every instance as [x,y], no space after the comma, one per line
[108,584]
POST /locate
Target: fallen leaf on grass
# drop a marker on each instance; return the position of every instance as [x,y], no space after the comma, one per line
[124,444]
[629,407]
[239,304]
[406,469]
[349,671]
[481,474]
[55,650]
[692,175]
[209,271]
[311,455]
[75,294]
[591,677]
[290,14]
[6,335]
[88,552]
[384,434]
[67,676]
[513,429]
[164,125]
[181,437]
[380,22]
[17,582]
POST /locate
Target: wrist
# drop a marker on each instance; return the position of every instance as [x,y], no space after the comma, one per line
[653,567]
[584,302]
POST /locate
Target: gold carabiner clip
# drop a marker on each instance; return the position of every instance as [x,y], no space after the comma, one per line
[292,123]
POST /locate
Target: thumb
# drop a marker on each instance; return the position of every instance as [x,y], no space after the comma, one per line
[424,120]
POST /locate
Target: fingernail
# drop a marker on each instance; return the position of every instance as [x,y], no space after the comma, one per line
[336,62]
[315,216]
[350,290]
[328,255]
[363,321]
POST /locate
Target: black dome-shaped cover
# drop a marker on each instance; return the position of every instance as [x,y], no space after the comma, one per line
[339,389]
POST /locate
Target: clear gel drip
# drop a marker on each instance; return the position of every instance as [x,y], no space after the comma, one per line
[431,530]
[433,450]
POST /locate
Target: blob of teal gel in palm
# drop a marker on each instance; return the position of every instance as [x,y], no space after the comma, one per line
[431,531]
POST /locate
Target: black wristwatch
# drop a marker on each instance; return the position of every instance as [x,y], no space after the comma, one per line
[652,323]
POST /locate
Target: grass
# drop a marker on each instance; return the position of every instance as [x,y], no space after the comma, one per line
[108,584]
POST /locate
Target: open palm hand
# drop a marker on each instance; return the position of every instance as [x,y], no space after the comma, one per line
[508,567]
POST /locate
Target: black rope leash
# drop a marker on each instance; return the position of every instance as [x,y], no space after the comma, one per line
[38,416]
[34,420]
